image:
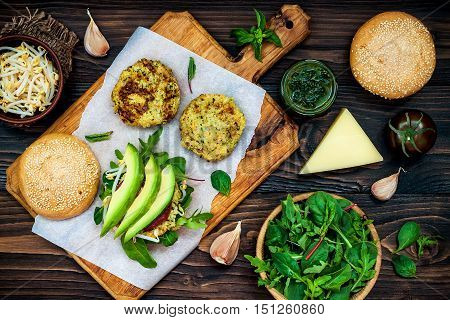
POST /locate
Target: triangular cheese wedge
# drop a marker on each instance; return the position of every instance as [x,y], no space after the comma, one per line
[345,145]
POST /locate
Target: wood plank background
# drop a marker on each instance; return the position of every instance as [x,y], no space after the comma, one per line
[30,267]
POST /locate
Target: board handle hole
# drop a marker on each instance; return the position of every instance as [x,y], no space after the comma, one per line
[289,24]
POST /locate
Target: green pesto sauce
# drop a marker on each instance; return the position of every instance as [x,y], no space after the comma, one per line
[310,87]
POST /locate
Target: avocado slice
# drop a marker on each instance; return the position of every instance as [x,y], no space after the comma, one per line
[145,198]
[163,199]
[123,197]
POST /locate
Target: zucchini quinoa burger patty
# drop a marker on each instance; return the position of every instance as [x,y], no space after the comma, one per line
[146,94]
[211,126]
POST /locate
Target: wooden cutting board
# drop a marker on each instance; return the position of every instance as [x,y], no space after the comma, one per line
[276,136]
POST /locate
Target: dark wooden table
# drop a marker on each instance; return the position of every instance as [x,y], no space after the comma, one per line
[423,193]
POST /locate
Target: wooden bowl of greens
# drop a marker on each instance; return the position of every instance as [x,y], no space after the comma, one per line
[322,246]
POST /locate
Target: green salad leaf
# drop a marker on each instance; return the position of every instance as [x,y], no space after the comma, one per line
[404,266]
[96,137]
[408,235]
[169,238]
[221,181]
[138,251]
[425,241]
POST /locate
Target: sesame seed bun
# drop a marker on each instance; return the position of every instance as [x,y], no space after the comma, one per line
[392,55]
[58,176]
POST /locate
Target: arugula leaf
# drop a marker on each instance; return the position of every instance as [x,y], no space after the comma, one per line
[196,221]
[425,241]
[404,266]
[146,147]
[221,181]
[316,268]
[98,215]
[321,254]
[367,258]
[260,265]
[169,238]
[191,72]
[96,137]
[408,234]
[138,251]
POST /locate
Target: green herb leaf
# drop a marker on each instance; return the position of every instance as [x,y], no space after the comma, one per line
[404,266]
[146,148]
[408,234]
[96,137]
[196,221]
[191,71]
[260,19]
[275,235]
[138,251]
[113,165]
[98,215]
[242,36]
[169,238]
[272,37]
[316,268]
[221,181]
[257,48]
[338,278]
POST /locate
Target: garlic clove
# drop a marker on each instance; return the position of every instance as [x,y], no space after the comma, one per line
[385,188]
[225,247]
[94,42]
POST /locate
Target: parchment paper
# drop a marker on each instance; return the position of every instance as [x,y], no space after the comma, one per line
[80,235]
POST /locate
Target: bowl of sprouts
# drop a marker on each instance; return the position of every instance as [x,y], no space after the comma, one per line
[31,79]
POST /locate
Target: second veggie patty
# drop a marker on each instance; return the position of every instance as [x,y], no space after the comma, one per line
[211,126]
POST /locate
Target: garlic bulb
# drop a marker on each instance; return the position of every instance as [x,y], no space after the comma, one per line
[94,42]
[225,247]
[385,188]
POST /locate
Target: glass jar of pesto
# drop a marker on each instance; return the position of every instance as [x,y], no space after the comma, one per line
[309,87]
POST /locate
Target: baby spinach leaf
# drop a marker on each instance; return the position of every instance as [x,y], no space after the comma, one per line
[221,181]
[275,235]
[289,209]
[338,278]
[321,254]
[404,266]
[294,290]
[408,234]
[286,265]
[178,162]
[138,251]
[169,238]
[98,215]
[343,294]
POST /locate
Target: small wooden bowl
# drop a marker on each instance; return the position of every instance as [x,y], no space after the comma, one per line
[14,41]
[262,234]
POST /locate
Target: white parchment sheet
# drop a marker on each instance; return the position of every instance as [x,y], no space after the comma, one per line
[80,235]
